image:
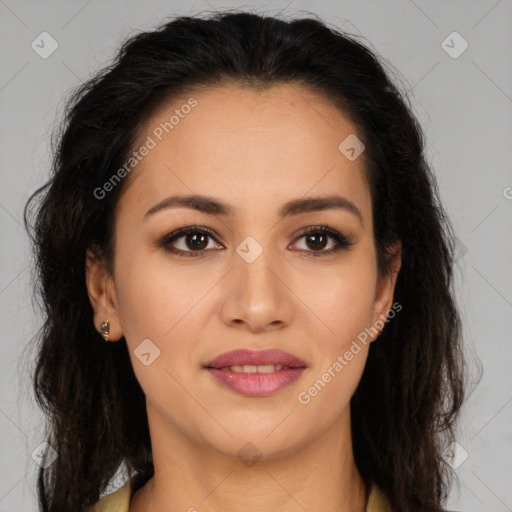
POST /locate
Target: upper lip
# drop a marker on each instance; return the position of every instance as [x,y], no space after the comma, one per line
[256,357]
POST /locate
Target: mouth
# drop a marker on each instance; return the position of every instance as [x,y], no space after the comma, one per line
[252,368]
[256,373]
[256,358]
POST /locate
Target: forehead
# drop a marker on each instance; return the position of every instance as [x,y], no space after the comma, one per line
[254,146]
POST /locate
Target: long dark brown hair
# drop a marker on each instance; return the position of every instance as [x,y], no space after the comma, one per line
[405,408]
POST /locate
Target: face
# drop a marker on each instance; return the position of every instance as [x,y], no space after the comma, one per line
[247,275]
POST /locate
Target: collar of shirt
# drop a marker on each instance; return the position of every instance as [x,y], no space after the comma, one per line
[119,500]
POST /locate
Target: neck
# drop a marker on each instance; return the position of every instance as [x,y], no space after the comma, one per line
[190,477]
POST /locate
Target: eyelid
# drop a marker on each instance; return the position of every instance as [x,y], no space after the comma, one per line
[342,241]
[164,241]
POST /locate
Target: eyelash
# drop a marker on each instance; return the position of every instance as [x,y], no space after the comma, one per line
[165,242]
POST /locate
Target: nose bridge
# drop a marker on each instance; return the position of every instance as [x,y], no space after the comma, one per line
[257,265]
[257,296]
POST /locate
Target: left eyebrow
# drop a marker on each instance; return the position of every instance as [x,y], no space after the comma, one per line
[212,206]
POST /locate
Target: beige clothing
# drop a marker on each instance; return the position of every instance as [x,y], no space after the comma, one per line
[119,501]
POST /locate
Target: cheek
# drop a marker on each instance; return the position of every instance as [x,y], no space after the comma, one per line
[345,307]
[160,303]
[342,356]
[159,309]
[344,302]
[154,298]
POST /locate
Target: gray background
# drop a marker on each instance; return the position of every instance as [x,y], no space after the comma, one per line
[463,103]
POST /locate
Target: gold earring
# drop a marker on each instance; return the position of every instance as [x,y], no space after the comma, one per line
[105,330]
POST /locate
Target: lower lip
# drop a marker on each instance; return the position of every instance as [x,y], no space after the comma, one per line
[256,384]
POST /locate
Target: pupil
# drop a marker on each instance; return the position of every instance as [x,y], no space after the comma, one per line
[312,237]
[195,239]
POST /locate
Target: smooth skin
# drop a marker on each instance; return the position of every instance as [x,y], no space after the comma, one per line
[254,150]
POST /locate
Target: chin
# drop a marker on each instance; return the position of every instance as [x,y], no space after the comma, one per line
[257,444]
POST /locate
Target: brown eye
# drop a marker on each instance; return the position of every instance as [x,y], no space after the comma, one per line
[317,238]
[316,241]
[195,240]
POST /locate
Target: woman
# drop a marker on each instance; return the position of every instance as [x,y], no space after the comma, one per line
[242,211]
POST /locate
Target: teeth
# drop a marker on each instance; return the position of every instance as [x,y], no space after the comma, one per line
[252,368]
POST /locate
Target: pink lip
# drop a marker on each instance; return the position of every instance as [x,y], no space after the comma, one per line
[256,384]
[259,358]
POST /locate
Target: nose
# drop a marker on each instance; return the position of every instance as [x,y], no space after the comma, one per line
[257,297]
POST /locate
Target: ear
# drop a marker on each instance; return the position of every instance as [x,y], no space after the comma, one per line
[101,291]
[386,288]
